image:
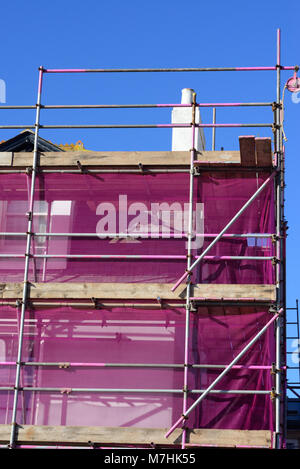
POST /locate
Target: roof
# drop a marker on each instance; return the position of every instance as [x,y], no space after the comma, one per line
[24,141]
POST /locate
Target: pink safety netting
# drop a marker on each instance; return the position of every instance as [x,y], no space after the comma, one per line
[79,203]
[125,335]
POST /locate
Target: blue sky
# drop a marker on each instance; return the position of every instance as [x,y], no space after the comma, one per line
[160,33]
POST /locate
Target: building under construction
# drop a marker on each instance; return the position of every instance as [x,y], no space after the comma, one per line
[143,293]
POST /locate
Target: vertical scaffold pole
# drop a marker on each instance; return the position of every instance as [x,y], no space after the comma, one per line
[213,146]
[279,424]
[189,263]
[27,261]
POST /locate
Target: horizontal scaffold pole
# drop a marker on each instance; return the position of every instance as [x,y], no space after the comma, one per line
[157,70]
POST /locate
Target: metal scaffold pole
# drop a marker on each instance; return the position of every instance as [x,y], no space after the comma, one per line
[213,146]
[280,297]
[189,261]
[27,262]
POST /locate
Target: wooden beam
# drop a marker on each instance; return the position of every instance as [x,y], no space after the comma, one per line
[141,291]
[218,157]
[223,291]
[247,149]
[104,159]
[5,158]
[78,435]
[263,150]
[156,159]
[123,159]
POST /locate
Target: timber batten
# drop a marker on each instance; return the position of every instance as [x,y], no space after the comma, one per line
[79,435]
[159,159]
[138,291]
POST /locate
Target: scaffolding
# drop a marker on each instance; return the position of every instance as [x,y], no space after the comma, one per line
[276,305]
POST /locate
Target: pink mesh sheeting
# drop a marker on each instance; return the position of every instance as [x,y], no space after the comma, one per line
[66,203]
[136,336]
[217,338]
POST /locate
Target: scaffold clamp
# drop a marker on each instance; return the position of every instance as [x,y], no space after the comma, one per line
[275,238]
[276,106]
[273,394]
[275,127]
[80,167]
[195,171]
[66,390]
[275,261]
[64,365]
[159,301]
[274,370]
[274,310]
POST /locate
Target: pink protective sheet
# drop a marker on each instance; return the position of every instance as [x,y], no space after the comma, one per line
[75,203]
[121,335]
